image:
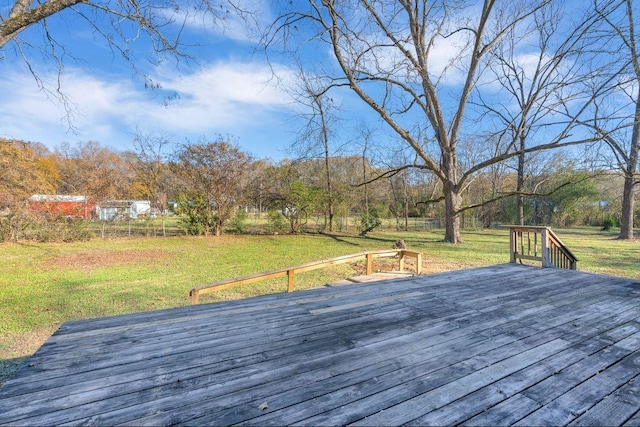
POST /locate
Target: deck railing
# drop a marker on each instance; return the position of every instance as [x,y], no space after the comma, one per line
[540,244]
[291,272]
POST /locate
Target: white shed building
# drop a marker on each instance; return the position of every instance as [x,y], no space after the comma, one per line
[123,209]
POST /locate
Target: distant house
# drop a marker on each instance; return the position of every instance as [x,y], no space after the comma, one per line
[61,204]
[114,210]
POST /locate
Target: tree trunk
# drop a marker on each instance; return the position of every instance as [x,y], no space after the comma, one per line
[628,194]
[327,162]
[364,178]
[405,204]
[520,186]
[628,204]
[452,196]
[452,202]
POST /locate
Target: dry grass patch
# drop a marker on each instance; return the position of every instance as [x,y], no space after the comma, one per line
[15,349]
[90,261]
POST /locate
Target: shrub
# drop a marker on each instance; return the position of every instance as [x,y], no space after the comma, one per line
[196,214]
[238,222]
[276,222]
[609,222]
[25,226]
[369,222]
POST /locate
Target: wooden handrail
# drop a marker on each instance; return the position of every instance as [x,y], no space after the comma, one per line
[536,243]
[290,272]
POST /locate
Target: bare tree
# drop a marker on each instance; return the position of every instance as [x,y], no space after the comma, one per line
[617,116]
[151,18]
[121,24]
[417,65]
[537,71]
[314,140]
[153,170]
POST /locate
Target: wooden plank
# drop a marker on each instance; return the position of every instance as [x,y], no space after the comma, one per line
[462,409]
[454,347]
[218,351]
[377,403]
[634,420]
[283,392]
[615,409]
[291,271]
[565,380]
[343,307]
[505,413]
[511,406]
[110,404]
[323,421]
[427,362]
[577,398]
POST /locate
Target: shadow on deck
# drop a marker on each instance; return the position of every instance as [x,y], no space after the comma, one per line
[500,345]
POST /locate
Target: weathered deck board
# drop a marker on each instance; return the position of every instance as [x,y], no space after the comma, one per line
[499,345]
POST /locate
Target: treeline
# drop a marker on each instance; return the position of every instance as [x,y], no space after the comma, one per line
[213,186]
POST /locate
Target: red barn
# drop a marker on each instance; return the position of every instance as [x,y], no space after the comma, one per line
[58,204]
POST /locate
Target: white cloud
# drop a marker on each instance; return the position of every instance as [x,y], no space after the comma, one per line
[224,97]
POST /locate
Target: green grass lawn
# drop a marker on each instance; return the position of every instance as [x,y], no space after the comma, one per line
[44,285]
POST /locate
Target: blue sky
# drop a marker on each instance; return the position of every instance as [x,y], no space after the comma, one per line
[229,91]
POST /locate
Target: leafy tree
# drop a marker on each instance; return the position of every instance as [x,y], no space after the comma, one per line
[369,222]
[91,169]
[571,192]
[290,194]
[196,213]
[297,203]
[217,172]
[25,169]
[276,222]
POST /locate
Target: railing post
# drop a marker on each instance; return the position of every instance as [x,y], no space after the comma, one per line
[291,275]
[193,295]
[546,262]
[513,243]
[401,260]
[419,263]
[369,263]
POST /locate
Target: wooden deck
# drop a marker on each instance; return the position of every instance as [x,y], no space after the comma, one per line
[500,345]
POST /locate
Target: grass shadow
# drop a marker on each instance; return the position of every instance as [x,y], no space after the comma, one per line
[8,367]
[337,238]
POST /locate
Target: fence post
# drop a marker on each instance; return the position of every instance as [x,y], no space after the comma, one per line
[369,263]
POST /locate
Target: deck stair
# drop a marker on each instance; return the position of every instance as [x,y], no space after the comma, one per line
[535,243]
